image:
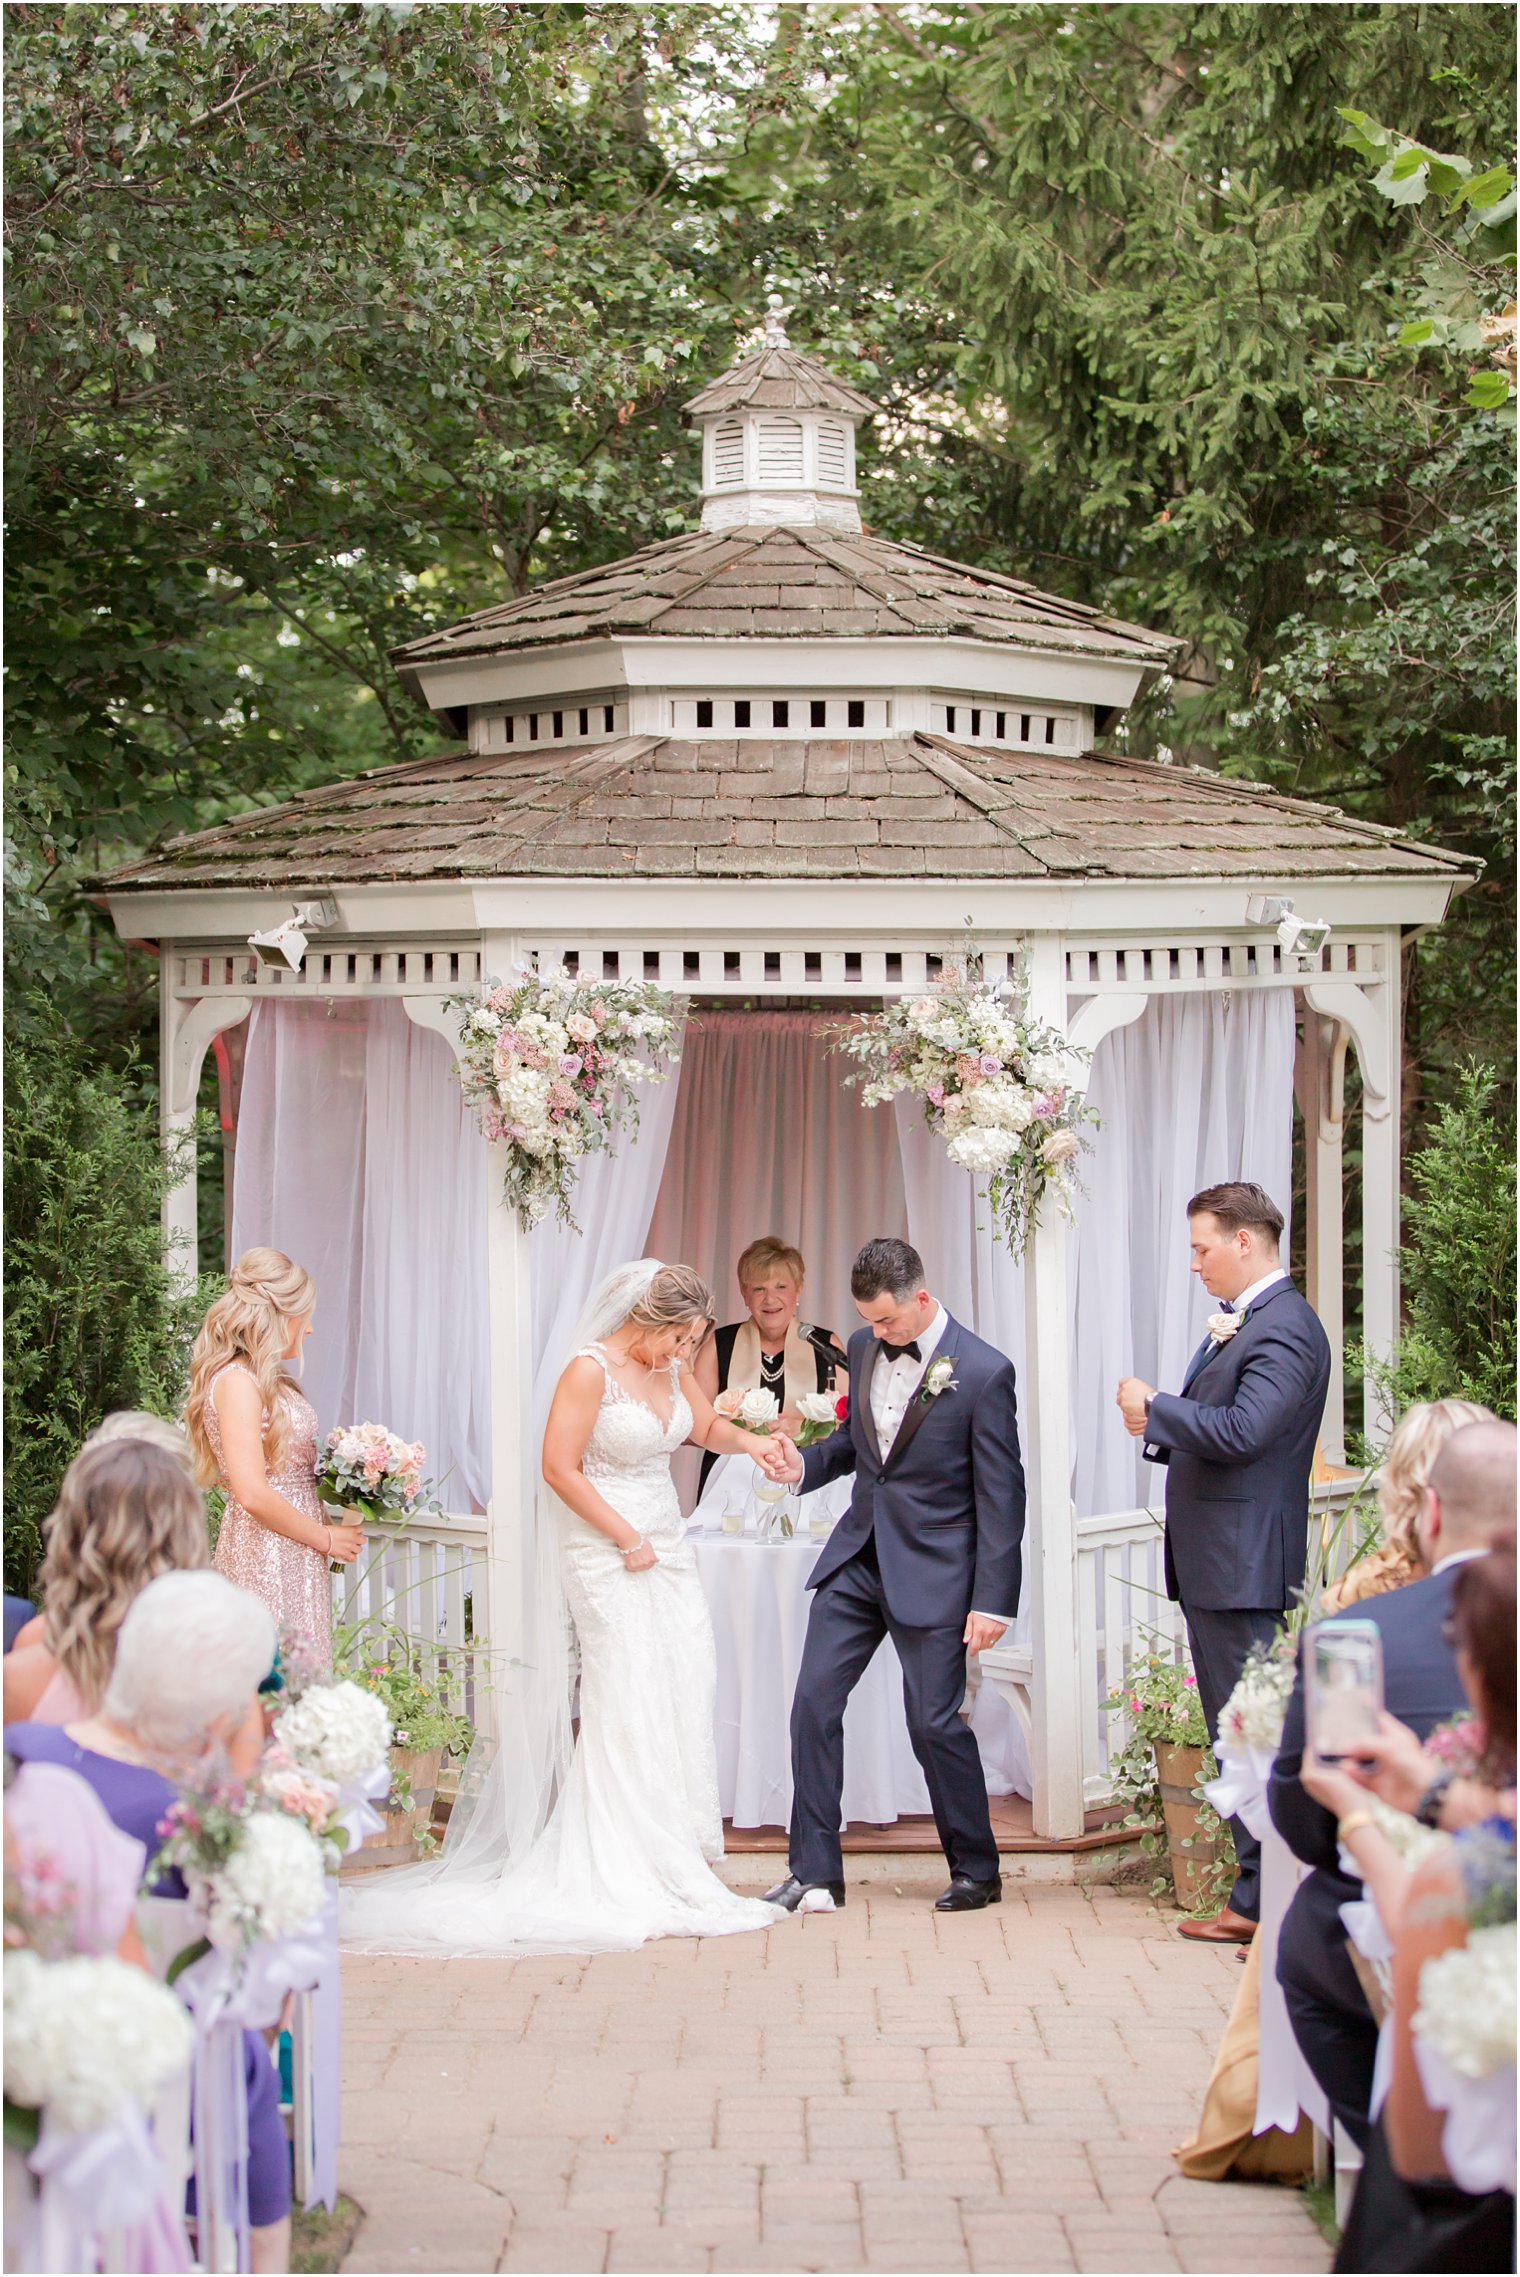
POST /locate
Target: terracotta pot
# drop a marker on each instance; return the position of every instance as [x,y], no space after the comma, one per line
[1179,1769]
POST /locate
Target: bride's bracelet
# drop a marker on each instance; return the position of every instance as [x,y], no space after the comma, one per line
[640,1544]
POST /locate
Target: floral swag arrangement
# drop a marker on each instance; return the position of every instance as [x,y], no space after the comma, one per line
[550,1067]
[993,1083]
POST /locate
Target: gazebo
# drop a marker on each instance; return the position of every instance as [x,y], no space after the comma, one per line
[784,765]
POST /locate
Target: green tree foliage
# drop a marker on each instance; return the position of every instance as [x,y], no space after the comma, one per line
[92,1319]
[1458,1259]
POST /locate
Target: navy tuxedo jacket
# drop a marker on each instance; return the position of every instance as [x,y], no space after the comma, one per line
[1238,1442]
[946,1504]
[1420,1686]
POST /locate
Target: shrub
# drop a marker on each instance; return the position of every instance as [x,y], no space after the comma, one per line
[1457,1261]
[93,1320]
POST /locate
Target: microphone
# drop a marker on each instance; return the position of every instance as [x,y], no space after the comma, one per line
[821,1341]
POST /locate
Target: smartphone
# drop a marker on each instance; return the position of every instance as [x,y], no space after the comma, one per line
[1343,1688]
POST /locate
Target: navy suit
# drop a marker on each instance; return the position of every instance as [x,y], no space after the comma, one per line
[1238,1442]
[1331,2019]
[933,1530]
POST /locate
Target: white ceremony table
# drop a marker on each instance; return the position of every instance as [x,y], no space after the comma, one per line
[758,1596]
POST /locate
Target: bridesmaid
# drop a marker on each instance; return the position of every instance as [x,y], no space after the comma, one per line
[252,1430]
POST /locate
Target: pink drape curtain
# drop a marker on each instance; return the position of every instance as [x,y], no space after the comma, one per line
[768,1139]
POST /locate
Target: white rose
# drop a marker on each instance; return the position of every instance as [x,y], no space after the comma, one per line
[924,1012]
[817,1407]
[757,1410]
[581,1027]
[1060,1147]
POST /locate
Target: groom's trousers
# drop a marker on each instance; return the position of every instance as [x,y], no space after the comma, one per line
[848,1620]
[1221,1643]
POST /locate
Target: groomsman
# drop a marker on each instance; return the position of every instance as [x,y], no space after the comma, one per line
[1238,1441]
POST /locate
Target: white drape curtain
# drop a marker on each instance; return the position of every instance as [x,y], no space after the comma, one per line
[768,1139]
[357,1156]
[1198,1089]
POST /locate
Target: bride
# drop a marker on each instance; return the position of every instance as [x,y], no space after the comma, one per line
[608,1846]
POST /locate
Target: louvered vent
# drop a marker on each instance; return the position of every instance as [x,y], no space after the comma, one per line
[728,455]
[833,456]
[780,453]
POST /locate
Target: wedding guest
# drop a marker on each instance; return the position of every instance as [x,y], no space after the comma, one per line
[253,1432]
[127,1511]
[1469,1503]
[191,1649]
[1416,2216]
[768,1350]
[1421,1433]
[1238,1441]
[20,1613]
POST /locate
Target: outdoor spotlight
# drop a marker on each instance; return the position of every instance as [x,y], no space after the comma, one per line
[285,945]
[1300,937]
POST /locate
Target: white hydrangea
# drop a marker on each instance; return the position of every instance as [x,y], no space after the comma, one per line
[982,1149]
[271,1885]
[1467,2002]
[86,2038]
[525,1097]
[1001,1104]
[337,1730]
[484,1021]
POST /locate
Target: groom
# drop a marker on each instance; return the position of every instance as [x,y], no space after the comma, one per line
[927,1553]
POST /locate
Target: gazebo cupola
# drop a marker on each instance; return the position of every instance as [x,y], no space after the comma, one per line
[778,440]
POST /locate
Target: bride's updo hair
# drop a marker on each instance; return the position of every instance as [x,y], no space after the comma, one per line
[250,1322]
[675,1296]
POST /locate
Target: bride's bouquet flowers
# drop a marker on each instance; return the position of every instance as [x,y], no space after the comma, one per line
[822,1414]
[87,2040]
[364,1468]
[753,1410]
[550,1067]
[994,1084]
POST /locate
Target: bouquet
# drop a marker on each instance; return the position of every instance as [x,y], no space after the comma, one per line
[550,1068]
[1253,1714]
[994,1084]
[822,1414]
[254,1870]
[754,1410]
[364,1469]
[87,2040]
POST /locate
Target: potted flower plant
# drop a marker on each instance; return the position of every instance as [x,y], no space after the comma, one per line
[1159,1772]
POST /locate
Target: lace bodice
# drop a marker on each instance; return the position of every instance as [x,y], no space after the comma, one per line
[627,1457]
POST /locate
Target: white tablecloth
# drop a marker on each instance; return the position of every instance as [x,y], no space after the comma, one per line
[757,1592]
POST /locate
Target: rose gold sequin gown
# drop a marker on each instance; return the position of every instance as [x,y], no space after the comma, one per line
[292,1580]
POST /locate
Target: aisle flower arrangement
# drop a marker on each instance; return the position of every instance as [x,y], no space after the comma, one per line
[550,1067]
[88,2040]
[994,1085]
[1254,1713]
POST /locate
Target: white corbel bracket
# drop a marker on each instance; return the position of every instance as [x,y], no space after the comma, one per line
[207,1018]
[1098,1017]
[1355,1010]
[434,1012]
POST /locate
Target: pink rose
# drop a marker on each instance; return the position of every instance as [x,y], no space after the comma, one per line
[936,1094]
[570,1063]
[991,1066]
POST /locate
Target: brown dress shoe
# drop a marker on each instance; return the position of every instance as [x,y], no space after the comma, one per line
[1226,1928]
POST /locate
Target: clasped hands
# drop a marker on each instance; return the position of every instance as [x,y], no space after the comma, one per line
[1130,1399]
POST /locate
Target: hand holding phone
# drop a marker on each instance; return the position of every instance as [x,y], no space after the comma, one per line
[1343,1688]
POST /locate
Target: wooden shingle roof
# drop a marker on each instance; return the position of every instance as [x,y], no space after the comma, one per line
[777,378]
[787,583]
[647,806]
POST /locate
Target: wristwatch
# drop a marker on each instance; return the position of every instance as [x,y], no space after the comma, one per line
[1428,1809]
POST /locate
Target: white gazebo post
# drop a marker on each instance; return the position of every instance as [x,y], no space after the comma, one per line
[1319,1077]
[185,1033]
[1056,1755]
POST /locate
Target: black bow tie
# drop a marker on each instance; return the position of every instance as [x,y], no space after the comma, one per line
[903,1351]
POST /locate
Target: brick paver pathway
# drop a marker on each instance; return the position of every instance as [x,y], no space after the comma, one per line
[881,2088]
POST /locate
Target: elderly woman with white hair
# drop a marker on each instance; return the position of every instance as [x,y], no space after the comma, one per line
[190,1653]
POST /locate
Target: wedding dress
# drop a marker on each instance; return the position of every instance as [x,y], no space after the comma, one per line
[623,1853]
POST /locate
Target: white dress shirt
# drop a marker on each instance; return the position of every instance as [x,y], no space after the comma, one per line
[894,1381]
[895,1384]
[1259,1288]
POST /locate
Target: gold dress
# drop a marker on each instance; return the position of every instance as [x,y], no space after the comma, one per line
[292,1580]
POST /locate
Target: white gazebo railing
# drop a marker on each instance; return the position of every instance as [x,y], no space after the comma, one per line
[431,1586]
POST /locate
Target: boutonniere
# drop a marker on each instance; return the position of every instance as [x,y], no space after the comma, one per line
[940,1377]
[1222,1326]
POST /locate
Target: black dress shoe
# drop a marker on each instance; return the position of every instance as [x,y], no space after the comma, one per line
[791,1893]
[966,1896]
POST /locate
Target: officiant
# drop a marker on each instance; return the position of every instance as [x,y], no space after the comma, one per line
[770,1349]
